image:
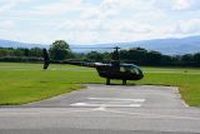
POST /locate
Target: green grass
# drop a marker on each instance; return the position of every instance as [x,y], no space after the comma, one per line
[23,83]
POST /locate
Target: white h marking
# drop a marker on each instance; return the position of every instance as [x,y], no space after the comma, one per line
[111,102]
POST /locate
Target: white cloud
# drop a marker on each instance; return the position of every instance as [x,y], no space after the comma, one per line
[6,5]
[106,21]
[181,27]
[178,5]
[190,26]
[78,21]
[58,7]
[7,25]
[181,4]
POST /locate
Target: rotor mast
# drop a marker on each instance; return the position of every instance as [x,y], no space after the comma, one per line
[116,56]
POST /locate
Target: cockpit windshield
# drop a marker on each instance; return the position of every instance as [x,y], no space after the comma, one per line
[130,69]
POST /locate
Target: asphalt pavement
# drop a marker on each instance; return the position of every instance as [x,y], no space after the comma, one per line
[102,109]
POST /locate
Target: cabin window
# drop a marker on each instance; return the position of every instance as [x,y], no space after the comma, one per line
[122,69]
[134,70]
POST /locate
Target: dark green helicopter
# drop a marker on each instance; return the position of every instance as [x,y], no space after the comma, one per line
[113,70]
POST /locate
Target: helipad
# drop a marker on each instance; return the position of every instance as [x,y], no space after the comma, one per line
[105,109]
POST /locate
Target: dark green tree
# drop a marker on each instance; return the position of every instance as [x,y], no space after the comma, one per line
[166,60]
[197,59]
[60,50]
[95,56]
[134,55]
[3,52]
[18,52]
[26,52]
[106,56]
[187,60]
[153,58]
[36,52]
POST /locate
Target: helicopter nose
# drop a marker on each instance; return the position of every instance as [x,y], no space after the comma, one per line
[141,75]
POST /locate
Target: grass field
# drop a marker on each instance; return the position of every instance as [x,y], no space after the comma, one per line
[22,83]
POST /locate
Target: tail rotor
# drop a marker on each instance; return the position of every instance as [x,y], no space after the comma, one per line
[46,59]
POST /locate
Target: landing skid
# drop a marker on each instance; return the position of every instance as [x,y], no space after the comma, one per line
[124,82]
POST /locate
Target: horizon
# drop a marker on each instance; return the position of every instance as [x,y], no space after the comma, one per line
[97,21]
[183,37]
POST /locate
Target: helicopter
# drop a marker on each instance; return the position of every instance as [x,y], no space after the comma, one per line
[114,70]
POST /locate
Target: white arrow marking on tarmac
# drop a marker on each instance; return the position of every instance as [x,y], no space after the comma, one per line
[105,105]
[117,99]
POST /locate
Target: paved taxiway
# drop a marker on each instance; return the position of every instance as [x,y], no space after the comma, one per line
[102,109]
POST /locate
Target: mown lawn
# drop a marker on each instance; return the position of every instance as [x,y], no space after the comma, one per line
[23,83]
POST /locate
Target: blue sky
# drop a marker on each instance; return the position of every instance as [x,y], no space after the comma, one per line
[97,21]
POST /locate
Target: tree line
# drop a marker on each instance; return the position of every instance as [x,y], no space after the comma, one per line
[60,51]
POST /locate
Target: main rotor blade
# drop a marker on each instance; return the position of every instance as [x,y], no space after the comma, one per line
[92,47]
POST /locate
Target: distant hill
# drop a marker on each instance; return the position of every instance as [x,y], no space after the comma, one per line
[170,46]
[16,44]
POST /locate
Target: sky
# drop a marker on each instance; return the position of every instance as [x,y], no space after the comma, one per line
[97,21]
